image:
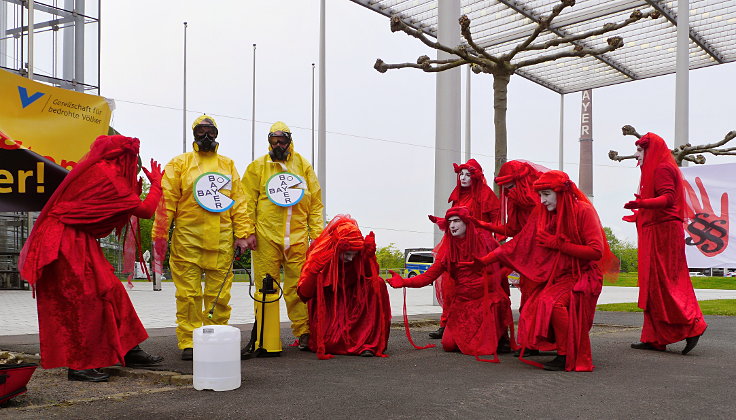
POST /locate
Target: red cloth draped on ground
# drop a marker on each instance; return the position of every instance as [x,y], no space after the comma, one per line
[479,313]
[349,308]
[86,319]
[484,206]
[569,286]
[671,310]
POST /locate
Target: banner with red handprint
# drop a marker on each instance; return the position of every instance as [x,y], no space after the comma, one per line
[709,240]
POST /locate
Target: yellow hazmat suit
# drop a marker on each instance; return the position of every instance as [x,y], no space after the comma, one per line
[202,240]
[282,232]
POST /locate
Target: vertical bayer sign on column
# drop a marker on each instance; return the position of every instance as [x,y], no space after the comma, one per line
[207,192]
[285,189]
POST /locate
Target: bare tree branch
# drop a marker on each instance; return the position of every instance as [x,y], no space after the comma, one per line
[630,131]
[398,25]
[543,24]
[613,155]
[636,16]
[577,51]
[426,65]
[686,152]
[465,31]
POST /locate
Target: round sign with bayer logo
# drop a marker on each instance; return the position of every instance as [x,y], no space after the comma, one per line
[207,192]
[285,189]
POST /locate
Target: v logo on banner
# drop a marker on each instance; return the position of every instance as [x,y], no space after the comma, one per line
[26,100]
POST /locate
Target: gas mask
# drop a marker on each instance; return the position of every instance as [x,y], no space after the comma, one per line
[206,143]
[204,138]
[279,154]
[279,142]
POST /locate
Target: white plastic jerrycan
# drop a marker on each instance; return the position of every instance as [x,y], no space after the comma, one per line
[216,358]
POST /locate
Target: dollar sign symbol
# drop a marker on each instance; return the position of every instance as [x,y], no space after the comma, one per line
[708,243]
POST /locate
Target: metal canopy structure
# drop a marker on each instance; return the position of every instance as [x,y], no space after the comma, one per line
[649,45]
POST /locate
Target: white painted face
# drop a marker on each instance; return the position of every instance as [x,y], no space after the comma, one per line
[457,227]
[639,155]
[348,256]
[510,185]
[549,199]
[465,180]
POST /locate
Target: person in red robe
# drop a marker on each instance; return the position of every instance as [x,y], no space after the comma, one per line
[86,320]
[472,191]
[518,199]
[563,248]
[671,310]
[479,310]
[347,300]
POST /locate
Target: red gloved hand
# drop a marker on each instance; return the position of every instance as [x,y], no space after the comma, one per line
[634,204]
[432,219]
[369,245]
[395,281]
[479,264]
[631,218]
[548,240]
[155,174]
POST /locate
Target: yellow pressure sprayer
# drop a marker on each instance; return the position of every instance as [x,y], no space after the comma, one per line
[265,340]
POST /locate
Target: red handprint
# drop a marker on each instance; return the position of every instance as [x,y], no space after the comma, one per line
[708,231]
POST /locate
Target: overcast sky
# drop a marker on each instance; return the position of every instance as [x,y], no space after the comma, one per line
[380,127]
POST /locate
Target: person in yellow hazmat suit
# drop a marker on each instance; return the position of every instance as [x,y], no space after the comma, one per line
[284,202]
[205,201]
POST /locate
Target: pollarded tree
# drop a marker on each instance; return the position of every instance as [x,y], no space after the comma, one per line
[502,66]
[687,151]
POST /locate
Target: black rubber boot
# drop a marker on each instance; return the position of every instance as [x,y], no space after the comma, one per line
[437,334]
[138,358]
[87,375]
[558,363]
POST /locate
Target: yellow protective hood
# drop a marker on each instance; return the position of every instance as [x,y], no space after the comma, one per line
[281,126]
[205,120]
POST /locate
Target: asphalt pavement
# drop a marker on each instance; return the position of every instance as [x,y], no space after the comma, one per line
[432,383]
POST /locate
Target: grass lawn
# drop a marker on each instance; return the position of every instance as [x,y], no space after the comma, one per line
[725,283]
[709,307]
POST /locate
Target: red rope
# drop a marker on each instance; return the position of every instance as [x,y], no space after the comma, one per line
[529,362]
[408,333]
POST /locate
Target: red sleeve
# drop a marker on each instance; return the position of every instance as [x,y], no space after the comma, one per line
[148,206]
[582,252]
[307,286]
[427,277]
[591,235]
[664,189]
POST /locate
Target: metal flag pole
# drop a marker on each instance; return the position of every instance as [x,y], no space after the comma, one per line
[184,107]
[312,115]
[253,111]
[322,135]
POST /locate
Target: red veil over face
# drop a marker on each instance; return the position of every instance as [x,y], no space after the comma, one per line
[119,151]
[479,198]
[656,154]
[453,250]
[523,174]
[351,298]
[568,196]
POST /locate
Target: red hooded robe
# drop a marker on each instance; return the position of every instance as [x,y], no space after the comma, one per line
[671,310]
[570,273]
[348,303]
[85,317]
[479,312]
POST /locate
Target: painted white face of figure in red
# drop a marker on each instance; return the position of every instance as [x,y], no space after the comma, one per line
[639,155]
[509,185]
[457,226]
[549,199]
[465,180]
[348,256]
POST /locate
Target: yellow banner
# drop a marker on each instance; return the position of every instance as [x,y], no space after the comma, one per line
[56,123]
